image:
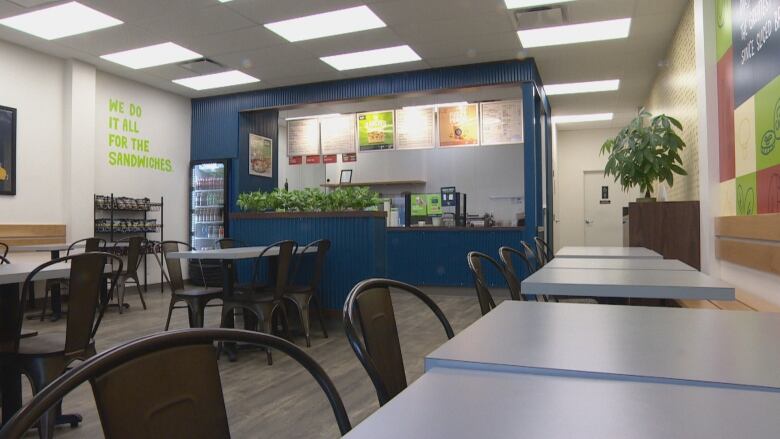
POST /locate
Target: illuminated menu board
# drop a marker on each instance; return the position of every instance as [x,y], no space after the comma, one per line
[337,134]
[303,137]
[376,130]
[459,125]
[502,122]
[415,128]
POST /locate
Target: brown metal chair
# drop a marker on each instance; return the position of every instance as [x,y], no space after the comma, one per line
[134,246]
[301,296]
[46,357]
[380,352]
[513,275]
[486,302]
[3,252]
[541,259]
[531,254]
[90,245]
[542,250]
[229,243]
[4,260]
[261,301]
[186,400]
[196,300]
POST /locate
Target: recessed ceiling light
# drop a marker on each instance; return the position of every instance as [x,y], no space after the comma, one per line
[217,80]
[575,33]
[581,87]
[327,24]
[372,58]
[60,21]
[576,118]
[150,56]
[514,4]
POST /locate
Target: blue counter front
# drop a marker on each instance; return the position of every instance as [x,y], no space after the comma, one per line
[362,247]
[437,256]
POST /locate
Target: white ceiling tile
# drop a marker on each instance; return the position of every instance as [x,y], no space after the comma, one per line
[352,42]
[105,41]
[195,22]
[241,40]
[269,11]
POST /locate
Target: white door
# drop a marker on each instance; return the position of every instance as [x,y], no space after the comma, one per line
[604,202]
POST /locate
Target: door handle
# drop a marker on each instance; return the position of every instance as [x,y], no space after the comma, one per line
[587,221]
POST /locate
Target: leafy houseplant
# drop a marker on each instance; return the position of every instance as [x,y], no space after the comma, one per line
[308,200]
[645,151]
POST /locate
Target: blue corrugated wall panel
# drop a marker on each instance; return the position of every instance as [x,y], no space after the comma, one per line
[358,248]
[438,258]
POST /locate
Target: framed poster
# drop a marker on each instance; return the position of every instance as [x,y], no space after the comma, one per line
[502,122]
[376,130]
[415,128]
[337,134]
[7,151]
[459,125]
[303,137]
[261,156]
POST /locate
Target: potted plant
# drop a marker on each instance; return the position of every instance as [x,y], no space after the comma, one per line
[645,151]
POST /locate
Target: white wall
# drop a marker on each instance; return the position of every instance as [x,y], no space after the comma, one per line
[576,152]
[481,172]
[33,84]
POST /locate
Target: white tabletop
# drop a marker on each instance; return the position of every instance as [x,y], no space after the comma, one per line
[456,404]
[709,347]
[57,247]
[648,284]
[607,252]
[231,253]
[17,273]
[619,264]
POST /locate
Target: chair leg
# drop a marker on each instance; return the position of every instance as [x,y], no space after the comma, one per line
[198,309]
[41,373]
[45,299]
[303,314]
[285,322]
[226,322]
[121,295]
[319,316]
[170,311]
[140,293]
[268,328]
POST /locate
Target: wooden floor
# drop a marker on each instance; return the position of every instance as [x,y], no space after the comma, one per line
[281,400]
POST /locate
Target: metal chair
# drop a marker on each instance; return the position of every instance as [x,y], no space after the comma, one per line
[46,357]
[196,300]
[301,296]
[380,351]
[229,243]
[261,301]
[186,399]
[4,260]
[90,245]
[486,302]
[154,247]
[134,246]
[532,254]
[3,252]
[513,275]
[542,249]
[541,260]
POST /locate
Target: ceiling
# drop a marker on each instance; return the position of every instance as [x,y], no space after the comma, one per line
[442,32]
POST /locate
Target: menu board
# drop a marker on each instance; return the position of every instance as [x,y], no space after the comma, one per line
[303,137]
[376,130]
[502,122]
[434,204]
[459,125]
[337,134]
[419,205]
[415,128]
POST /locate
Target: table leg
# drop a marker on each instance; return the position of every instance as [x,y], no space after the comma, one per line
[10,376]
[228,281]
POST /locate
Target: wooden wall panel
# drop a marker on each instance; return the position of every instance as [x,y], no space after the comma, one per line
[30,234]
[765,227]
[764,256]
[670,228]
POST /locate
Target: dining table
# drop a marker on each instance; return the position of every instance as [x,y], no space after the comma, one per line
[607,252]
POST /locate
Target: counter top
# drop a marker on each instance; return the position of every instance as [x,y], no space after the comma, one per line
[454,229]
[276,215]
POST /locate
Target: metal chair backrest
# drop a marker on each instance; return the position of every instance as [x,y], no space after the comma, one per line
[173,407]
[322,245]
[513,275]
[90,245]
[173,265]
[3,251]
[229,243]
[4,260]
[287,249]
[486,302]
[134,246]
[84,311]
[380,351]
[542,250]
[531,254]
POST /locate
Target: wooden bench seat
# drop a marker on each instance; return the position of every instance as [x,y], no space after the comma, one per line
[745,302]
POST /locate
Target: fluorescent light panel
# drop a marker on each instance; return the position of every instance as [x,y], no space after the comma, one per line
[327,24]
[217,80]
[150,56]
[61,21]
[372,58]
[577,118]
[581,87]
[575,33]
[515,4]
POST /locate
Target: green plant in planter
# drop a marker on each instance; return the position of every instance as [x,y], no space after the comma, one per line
[645,151]
[308,200]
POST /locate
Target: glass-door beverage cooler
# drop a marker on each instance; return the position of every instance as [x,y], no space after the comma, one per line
[208,212]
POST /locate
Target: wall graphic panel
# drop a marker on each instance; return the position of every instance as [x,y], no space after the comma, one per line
[748,70]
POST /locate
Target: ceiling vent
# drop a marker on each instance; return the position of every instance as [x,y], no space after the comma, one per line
[203,66]
[31,3]
[539,17]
